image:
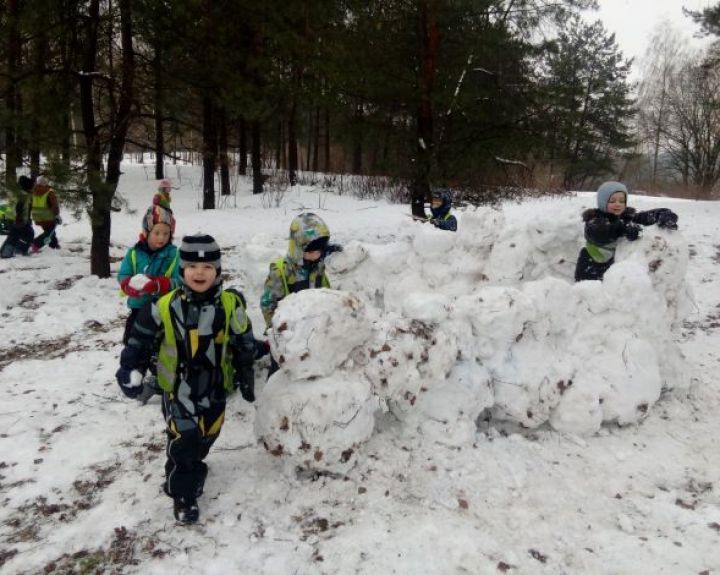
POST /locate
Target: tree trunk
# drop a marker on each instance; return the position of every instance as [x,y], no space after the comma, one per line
[11,91]
[223,147]
[242,164]
[308,149]
[357,152]
[93,160]
[40,45]
[292,145]
[256,159]
[327,139]
[159,111]
[316,140]
[429,39]
[102,200]
[209,153]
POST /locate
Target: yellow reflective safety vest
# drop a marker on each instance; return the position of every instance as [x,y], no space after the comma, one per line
[41,212]
[168,355]
[280,265]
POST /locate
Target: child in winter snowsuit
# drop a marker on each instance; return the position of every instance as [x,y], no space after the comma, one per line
[206,351]
[20,234]
[302,268]
[46,214]
[150,268]
[440,204]
[162,197]
[610,222]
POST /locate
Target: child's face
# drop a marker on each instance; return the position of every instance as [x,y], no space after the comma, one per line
[436,202]
[159,236]
[312,256]
[617,203]
[199,276]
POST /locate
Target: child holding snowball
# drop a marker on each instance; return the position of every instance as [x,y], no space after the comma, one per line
[150,268]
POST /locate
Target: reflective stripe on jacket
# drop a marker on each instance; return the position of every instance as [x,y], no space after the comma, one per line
[168,355]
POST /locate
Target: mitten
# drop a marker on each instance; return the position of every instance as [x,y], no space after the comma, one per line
[128,289]
[632,232]
[157,285]
[667,220]
[262,348]
[245,382]
[130,382]
[58,220]
[332,248]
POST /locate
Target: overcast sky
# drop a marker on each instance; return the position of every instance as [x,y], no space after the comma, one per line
[633,21]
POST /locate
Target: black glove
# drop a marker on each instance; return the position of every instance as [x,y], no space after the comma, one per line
[632,232]
[332,248]
[245,382]
[667,220]
[262,348]
[130,381]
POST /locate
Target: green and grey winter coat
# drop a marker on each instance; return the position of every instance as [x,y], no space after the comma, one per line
[289,275]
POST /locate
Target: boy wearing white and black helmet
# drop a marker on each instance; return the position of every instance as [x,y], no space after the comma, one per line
[205,350]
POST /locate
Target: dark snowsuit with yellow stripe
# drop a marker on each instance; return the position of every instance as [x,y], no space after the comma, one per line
[213,348]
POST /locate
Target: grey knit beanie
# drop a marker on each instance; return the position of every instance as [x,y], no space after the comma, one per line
[606,190]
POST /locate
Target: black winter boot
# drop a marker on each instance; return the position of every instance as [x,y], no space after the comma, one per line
[186,510]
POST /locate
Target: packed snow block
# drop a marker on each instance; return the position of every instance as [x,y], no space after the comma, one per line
[665,255]
[432,243]
[352,256]
[538,248]
[427,307]
[623,348]
[497,317]
[314,332]
[406,361]
[580,410]
[368,270]
[447,412]
[318,422]
[529,381]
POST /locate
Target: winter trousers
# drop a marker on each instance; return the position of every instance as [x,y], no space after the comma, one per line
[17,242]
[189,440]
[129,323]
[48,237]
[588,269]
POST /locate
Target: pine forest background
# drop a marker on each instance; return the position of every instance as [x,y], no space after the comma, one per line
[493,98]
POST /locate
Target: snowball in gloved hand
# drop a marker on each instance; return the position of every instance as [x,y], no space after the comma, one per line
[139,281]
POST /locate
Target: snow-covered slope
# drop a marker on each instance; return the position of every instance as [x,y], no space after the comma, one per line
[441,413]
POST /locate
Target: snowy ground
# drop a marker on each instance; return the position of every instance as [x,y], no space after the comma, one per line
[479,322]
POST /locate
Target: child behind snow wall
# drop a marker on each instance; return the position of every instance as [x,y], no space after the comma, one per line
[440,216]
[610,223]
[150,268]
[206,351]
[303,267]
